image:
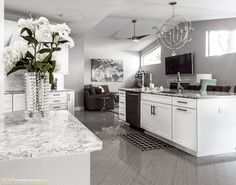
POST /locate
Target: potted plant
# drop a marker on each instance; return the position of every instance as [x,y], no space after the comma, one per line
[35,53]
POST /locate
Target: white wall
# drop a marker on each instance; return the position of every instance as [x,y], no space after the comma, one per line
[75,78]
[107,49]
[1,50]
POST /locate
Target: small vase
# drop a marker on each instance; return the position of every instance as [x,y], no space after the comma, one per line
[37,90]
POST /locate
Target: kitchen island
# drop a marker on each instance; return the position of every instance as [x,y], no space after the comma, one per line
[56,150]
[200,123]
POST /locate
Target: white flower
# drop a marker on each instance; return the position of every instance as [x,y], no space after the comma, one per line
[26,23]
[43,34]
[13,53]
[70,42]
[42,21]
[62,29]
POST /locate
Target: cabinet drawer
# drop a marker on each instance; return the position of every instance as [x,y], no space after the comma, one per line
[7,103]
[156,98]
[62,100]
[58,107]
[122,102]
[121,93]
[18,102]
[57,95]
[122,114]
[185,102]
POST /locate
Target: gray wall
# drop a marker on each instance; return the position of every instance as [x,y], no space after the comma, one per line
[222,67]
[107,50]
[75,79]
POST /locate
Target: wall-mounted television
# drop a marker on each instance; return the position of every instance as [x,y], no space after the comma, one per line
[179,63]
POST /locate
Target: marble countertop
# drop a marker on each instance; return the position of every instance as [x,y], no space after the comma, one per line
[184,94]
[60,135]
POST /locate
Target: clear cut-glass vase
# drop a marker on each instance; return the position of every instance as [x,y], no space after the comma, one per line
[36,100]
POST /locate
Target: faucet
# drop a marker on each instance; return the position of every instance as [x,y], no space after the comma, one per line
[179,86]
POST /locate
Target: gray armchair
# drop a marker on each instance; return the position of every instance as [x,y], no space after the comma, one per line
[92,97]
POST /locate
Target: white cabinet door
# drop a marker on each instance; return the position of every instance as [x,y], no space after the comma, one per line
[7,103]
[162,123]
[184,127]
[147,116]
[18,102]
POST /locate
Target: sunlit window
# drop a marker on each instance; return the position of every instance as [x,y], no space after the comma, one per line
[220,42]
[152,57]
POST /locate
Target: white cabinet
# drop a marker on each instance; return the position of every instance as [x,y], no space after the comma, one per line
[122,105]
[58,100]
[184,127]
[162,124]
[148,115]
[18,102]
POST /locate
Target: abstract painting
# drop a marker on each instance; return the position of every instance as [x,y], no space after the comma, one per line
[107,70]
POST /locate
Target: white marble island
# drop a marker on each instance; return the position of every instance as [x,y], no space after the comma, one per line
[56,150]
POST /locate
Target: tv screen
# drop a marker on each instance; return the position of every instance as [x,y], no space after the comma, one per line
[179,63]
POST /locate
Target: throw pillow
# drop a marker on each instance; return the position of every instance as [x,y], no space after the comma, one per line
[100,87]
[92,91]
[98,90]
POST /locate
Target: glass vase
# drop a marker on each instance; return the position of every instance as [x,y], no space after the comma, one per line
[37,90]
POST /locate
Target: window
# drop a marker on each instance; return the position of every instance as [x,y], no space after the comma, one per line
[152,57]
[220,42]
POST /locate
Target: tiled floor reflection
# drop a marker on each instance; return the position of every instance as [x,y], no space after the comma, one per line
[121,163]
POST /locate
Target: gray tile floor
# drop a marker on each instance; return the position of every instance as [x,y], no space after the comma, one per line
[121,163]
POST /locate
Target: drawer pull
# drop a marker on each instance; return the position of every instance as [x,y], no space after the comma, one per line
[154,110]
[121,114]
[56,94]
[57,107]
[57,101]
[184,110]
[122,102]
[184,102]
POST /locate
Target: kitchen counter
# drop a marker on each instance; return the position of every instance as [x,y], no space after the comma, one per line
[60,135]
[184,94]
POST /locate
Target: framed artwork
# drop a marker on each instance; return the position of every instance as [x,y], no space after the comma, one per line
[107,70]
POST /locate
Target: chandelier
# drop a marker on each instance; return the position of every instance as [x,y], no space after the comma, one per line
[175,32]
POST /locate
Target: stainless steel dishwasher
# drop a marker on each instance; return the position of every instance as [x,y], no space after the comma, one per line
[133,108]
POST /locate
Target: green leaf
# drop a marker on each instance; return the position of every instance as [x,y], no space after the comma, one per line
[22,62]
[46,45]
[27,30]
[39,65]
[51,78]
[30,39]
[56,49]
[48,58]
[46,68]
[45,50]
[29,55]
[53,63]
[62,41]
[16,68]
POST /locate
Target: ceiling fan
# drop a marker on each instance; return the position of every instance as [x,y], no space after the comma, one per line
[134,37]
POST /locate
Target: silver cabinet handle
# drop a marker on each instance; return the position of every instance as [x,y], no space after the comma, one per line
[56,101]
[184,110]
[154,110]
[151,110]
[56,107]
[184,102]
[122,102]
[121,114]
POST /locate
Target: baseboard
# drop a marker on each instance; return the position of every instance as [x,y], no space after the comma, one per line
[79,108]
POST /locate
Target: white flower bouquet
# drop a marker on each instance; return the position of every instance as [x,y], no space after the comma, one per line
[35,51]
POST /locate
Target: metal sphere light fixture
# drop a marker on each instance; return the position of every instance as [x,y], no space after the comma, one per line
[175,32]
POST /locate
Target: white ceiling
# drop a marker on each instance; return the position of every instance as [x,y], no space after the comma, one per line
[110,19]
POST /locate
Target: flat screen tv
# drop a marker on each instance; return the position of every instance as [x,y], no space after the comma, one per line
[179,63]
